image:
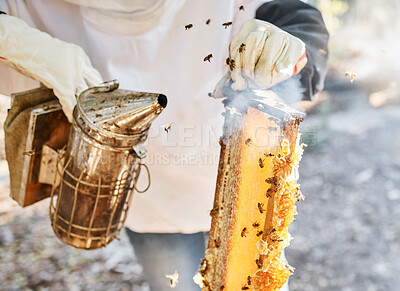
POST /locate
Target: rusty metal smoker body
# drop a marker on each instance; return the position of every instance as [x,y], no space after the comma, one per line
[97,172]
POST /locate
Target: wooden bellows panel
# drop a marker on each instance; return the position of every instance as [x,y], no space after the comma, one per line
[254,204]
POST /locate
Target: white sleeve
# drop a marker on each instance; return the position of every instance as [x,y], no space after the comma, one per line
[4,6]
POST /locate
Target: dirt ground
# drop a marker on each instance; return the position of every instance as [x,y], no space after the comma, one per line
[345,235]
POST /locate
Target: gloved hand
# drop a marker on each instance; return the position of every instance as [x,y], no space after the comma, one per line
[264,55]
[60,66]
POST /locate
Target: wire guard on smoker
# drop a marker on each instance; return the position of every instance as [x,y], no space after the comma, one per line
[95,229]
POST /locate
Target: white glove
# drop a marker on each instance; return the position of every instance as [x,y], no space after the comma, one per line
[264,55]
[60,66]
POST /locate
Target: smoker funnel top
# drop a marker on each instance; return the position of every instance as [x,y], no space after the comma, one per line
[117,117]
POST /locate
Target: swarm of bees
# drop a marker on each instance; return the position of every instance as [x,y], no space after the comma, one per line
[208,58]
[227,24]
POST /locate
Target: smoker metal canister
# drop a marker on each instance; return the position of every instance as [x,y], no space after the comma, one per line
[97,172]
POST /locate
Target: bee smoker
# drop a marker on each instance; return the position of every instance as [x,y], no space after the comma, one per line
[97,171]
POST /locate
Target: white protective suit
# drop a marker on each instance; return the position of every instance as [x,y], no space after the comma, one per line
[145,46]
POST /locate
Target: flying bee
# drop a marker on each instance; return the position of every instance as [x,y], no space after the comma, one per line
[208,21]
[245,287]
[242,48]
[260,163]
[268,154]
[259,233]
[241,8]
[261,207]
[167,127]
[208,58]
[232,65]
[248,280]
[244,232]
[188,26]
[248,141]
[227,24]
[256,224]
[228,60]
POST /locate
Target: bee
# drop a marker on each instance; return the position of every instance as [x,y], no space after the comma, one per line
[248,141]
[29,153]
[232,65]
[226,24]
[228,60]
[245,287]
[222,287]
[269,154]
[248,280]
[217,243]
[214,211]
[244,232]
[241,8]
[98,115]
[261,207]
[208,21]
[289,159]
[256,224]
[260,163]
[272,230]
[167,127]
[259,233]
[259,263]
[272,128]
[277,239]
[208,58]
[242,48]
[271,181]
[116,125]
[268,194]
[188,26]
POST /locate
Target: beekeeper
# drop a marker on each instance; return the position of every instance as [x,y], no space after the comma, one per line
[174,47]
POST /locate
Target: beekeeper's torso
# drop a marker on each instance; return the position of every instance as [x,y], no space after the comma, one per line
[145,46]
